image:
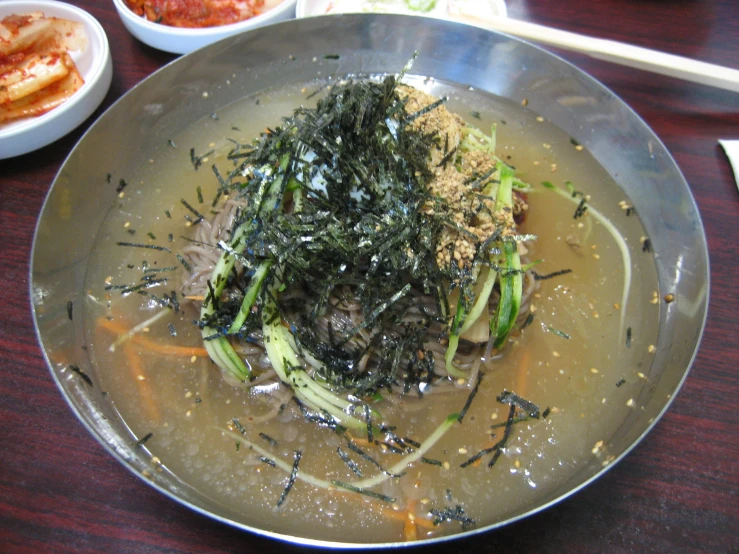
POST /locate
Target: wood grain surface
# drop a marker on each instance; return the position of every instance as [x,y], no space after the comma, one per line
[60,491]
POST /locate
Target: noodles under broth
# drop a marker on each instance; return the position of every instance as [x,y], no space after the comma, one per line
[187,405]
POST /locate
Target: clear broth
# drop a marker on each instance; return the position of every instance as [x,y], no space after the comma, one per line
[588,379]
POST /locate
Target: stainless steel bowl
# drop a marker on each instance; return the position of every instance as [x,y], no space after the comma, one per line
[172,99]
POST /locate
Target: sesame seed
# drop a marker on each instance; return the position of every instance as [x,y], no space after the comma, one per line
[630,402]
[525,102]
[141,377]
[517,464]
[127,224]
[651,348]
[188,394]
[540,119]
[579,147]
[463,451]
[193,359]
[669,298]
[555,354]
[593,370]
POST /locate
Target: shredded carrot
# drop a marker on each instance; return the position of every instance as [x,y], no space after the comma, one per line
[198,297]
[387,511]
[360,442]
[410,531]
[137,371]
[169,349]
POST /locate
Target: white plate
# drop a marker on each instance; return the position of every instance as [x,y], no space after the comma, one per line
[180,40]
[95,66]
[309,8]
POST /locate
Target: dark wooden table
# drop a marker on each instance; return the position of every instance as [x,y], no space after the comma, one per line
[677,491]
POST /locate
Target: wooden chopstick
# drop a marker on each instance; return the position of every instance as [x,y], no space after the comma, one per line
[610,50]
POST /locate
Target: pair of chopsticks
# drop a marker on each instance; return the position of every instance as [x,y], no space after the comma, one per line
[609,50]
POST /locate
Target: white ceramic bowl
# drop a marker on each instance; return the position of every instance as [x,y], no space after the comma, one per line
[309,8]
[180,40]
[95,66]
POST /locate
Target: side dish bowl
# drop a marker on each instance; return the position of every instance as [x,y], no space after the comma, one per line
[180,40]
[94,64]
[196,86]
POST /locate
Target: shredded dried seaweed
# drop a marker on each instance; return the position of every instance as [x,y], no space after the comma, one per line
[84,376]
[365,228]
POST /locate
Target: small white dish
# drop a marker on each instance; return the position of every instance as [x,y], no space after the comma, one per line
[94,64]
[180,40]
[441,9]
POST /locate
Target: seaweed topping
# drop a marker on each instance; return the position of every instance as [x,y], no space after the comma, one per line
[85,377]
[291,481]
[143,440]
[360,194]
[538,277]
[351,464]
[511,398]
[452,514]
[470,397]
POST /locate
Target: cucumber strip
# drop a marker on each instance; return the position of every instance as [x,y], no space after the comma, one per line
[364,484]
[220,349]
[287,365]
[511,291]
[620,242]
[451,349]
[481,302]
[510,278]
[255,286]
